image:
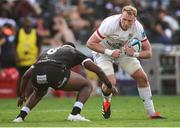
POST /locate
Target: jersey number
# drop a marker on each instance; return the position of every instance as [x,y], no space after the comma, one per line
[51,51]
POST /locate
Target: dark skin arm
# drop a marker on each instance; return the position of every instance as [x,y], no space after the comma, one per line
[24,82]
[94,68]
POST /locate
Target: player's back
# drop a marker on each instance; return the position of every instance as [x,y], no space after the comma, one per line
[64,55]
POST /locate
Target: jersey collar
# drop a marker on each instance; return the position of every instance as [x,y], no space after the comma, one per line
[67,46]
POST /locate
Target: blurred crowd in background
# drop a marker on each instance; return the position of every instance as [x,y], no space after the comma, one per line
[27,25]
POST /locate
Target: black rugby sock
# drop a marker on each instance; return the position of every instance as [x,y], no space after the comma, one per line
[105,94]
[76,110]
[22,114]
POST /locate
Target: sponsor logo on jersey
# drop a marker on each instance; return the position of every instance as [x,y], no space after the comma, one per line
[130,36]
[41,79]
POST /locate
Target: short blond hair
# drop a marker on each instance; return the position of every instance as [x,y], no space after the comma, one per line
[130,10]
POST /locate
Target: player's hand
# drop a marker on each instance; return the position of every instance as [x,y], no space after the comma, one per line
[129,50]
[21,100]
[116,53]
[114,90]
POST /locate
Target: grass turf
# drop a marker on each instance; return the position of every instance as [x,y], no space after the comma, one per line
[127,111]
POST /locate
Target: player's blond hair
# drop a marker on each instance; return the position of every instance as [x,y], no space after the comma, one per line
[130,10]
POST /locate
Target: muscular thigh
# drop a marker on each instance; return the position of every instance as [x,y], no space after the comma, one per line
[129,64]
[75,82]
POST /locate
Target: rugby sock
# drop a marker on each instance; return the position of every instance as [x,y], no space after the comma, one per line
[22,114]
[77,108]
[106,96]
[145,94]
[24,111]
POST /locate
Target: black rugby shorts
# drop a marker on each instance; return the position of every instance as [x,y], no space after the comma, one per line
[49,74]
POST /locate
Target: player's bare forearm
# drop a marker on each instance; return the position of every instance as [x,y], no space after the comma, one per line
[145,55]
[94,68]
[96,47]
[104,78]
[22,97]
[94,44]
[24,81]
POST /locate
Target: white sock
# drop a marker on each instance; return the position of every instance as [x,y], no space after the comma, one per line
[26,109]
[78,104]
[107,98]
[145,94]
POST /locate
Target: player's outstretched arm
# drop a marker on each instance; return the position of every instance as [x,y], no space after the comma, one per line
[94,44]
[24,82]
[94,68]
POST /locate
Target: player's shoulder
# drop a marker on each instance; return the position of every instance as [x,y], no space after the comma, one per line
[139,30]
[67,48]
[110,23]
[138,25]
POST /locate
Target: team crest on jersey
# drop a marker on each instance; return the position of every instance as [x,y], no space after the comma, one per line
[130,36]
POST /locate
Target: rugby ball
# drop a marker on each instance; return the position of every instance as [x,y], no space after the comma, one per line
[136,44]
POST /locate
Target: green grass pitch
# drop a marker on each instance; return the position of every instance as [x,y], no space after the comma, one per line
[127,111]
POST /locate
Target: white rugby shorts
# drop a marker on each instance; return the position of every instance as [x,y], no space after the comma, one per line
[126,63]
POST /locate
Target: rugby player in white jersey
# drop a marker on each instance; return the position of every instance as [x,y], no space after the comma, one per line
[108,43]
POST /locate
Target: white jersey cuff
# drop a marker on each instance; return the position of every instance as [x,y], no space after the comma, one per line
[88,59]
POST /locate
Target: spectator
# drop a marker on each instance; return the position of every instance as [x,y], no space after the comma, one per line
[48,12]
[5,18]
[7,56]
[162,33]
[63,32]
[115,6]
[23,9]
[63,7]
[172,22]
[42,31]
[60,32]
[27,47]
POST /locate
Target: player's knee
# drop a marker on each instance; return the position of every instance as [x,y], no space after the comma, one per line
[89,87]
[142,78]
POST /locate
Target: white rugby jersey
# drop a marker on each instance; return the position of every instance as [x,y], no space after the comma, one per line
[114,36]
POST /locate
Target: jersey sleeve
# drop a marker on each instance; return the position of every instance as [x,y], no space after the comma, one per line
[141,35]
[81,58]
[105,29]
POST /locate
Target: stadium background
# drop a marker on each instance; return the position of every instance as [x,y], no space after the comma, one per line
[57,21]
